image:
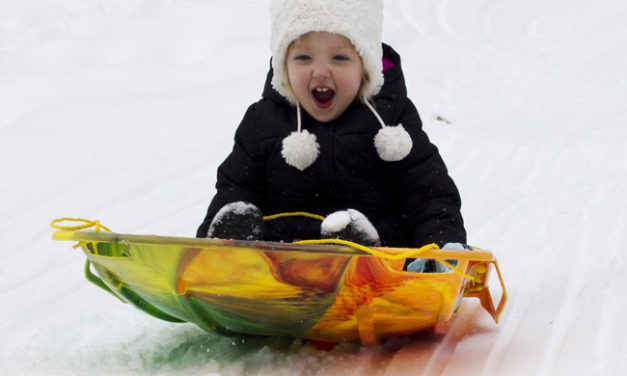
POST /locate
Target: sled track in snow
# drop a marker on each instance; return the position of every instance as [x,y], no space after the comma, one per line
[431,359]
[423,354]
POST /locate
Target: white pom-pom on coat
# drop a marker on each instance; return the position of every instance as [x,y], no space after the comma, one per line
[300,149]
[393,143]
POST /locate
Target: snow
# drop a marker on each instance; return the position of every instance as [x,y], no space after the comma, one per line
[121,110]
[337,222]
[237,213]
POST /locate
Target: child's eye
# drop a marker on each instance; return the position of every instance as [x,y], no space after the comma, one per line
[302,57]
[341,58]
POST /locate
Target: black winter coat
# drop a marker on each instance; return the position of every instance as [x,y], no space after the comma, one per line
[411,202]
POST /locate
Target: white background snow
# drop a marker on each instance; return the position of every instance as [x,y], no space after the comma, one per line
[121,110]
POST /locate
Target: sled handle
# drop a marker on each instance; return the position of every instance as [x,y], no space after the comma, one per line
[478,288]
[501,306]
[128,294]
[94,279]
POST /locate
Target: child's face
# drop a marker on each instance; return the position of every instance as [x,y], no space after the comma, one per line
[325,74]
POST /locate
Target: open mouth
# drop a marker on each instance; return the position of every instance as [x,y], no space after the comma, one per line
[323,96]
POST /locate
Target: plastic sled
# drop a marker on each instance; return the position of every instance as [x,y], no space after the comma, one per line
[320,292]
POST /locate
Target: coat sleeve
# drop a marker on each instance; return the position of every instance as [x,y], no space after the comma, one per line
[431,203]
[240,176]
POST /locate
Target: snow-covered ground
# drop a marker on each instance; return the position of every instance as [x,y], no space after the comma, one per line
[121,110]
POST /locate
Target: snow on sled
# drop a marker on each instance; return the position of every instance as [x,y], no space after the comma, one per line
[324,292]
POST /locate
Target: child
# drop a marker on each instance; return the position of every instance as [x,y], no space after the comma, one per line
[319,141]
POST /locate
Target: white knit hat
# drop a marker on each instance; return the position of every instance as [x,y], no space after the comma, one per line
[361,21]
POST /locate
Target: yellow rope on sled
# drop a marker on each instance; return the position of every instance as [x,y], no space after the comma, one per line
[374,252]
[86,223]
[387,256]
[293,214]
[409,254]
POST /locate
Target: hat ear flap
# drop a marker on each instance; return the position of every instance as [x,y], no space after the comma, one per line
[393,143]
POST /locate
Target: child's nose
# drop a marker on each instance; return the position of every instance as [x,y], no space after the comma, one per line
[321,70]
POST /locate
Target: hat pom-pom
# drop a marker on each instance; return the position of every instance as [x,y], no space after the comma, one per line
[300,149]
[393,143]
